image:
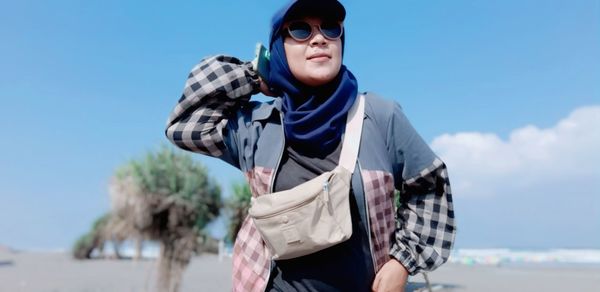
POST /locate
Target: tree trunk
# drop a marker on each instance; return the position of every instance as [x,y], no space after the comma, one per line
[174,257]
[164,268]
[138,248]
[117,246]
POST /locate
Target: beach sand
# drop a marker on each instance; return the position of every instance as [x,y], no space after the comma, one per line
[58,272]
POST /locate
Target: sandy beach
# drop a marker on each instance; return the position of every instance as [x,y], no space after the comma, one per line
[57,272]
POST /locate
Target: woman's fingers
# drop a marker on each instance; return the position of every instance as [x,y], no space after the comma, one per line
[391,277]
[375,285]
[264,88]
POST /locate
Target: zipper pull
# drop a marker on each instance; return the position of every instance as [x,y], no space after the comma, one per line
[326,192]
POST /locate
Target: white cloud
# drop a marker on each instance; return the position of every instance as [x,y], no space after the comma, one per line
[562,158]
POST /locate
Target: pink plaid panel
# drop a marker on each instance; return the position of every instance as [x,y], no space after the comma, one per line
[251,258]
[379,190]
[259,179]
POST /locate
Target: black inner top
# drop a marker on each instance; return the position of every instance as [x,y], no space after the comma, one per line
[342,267]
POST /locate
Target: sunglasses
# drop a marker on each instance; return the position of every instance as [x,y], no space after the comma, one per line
[302,30]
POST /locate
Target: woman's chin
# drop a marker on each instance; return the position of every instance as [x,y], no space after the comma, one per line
[317,80]
[319,77]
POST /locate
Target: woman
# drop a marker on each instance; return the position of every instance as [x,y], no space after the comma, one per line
[297,136]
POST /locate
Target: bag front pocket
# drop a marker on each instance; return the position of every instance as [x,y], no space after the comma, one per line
[305,219]
[304,229]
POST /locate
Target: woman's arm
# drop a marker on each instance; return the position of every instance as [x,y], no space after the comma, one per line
[425,224]
[214,90]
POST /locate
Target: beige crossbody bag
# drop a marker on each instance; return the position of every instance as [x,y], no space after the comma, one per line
[316,214]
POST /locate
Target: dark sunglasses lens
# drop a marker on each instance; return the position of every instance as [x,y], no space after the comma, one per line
[300,30]
[332,30]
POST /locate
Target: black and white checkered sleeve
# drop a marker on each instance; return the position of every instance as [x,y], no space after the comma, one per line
[215,88]
[425,225]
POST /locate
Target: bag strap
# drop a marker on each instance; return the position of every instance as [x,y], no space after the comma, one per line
[352,134]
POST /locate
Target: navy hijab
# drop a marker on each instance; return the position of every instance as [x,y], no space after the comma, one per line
[314,117]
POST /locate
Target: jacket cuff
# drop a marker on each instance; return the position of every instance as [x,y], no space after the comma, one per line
[403,255]
[252,77]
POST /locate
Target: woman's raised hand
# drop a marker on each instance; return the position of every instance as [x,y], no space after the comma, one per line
[264,88]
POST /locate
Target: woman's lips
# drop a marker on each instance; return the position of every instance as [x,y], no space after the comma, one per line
[319,57]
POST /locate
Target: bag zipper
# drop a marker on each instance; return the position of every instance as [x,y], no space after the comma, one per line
[326,192]
[304,203]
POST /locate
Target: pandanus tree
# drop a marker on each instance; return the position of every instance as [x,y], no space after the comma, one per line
[92,240]
[169,198]
[106,228]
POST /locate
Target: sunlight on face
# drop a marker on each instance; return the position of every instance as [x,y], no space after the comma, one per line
[315,61]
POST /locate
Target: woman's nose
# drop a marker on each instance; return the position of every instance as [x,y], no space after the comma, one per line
[318,39]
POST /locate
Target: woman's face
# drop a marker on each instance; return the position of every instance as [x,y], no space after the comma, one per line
[315,61]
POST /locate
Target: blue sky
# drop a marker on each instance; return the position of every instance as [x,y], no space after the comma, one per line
[85,86]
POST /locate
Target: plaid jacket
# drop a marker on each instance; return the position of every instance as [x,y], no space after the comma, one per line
[215,117]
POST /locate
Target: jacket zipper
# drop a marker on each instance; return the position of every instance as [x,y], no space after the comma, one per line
[368,218]
[367,213]
[273,183]
[280,154]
